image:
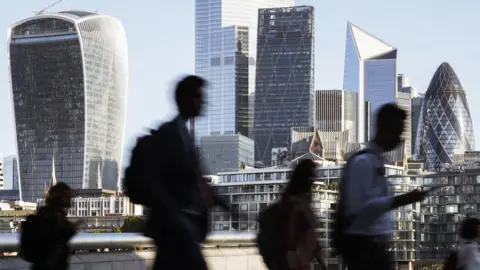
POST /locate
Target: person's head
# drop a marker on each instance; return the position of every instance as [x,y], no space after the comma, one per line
[470,229]
[390,123]
[189,96]
[59,196]
[302,178]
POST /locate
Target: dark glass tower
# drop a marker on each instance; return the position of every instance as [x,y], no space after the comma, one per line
[69,81]
[284,79]
[447,126]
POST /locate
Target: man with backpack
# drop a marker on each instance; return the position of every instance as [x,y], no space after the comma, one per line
[364,219]
[165,175]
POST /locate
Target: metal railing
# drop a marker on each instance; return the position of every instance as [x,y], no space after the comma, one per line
[10,242]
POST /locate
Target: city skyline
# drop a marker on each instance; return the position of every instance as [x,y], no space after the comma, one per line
[327,75]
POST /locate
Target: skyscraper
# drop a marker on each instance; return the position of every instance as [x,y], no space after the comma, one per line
[285,81]
[225,54]
[370,70]
[404,101]
[447,126]
[69,81]
[10,172]
[336,110]
[415,115]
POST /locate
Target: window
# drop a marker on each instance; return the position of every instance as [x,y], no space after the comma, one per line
[228,60]
[215,61]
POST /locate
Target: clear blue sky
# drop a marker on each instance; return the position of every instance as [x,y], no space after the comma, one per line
[161,47]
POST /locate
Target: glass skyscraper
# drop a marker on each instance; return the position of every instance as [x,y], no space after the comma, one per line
[447,126]
[69,81]
[285,80]
[370,70]
[225,55]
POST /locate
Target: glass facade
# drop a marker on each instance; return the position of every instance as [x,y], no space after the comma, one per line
[284,94]
[370,70]
[336,110]
[69,84]
[225,53]
[447,126]
[10,172]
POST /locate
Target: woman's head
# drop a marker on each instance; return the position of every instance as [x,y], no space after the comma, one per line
[470,229]
[301,179]
[60,195]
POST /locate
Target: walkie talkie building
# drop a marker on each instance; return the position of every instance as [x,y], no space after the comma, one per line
[69,81]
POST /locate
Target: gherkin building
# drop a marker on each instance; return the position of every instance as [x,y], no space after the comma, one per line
[446,125]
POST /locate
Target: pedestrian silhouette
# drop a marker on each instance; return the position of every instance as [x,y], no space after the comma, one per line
[45,235]
[165,175]
[287,239]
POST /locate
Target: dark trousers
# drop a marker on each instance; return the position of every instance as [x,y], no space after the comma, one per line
[367,253]
[178,250]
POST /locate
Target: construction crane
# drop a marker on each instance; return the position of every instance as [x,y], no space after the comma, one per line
[47,7]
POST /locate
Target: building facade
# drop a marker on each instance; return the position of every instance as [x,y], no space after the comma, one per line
[227,153]
[10,172]
[447,126]
[284,92]
[336,110]
[404,101]
[225,55]
[251,191]
[69,82]
[371,71]
[416,115]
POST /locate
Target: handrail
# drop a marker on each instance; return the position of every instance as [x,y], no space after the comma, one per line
[10,242]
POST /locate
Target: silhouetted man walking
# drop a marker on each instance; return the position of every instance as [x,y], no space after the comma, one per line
[178,217]
[366,201]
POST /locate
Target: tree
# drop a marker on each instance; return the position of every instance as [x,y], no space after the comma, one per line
[133,224]
[242,166]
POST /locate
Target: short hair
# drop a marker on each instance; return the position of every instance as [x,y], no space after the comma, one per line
[387,114]
[300,178]
[469,228]
[56,194]
[185,88]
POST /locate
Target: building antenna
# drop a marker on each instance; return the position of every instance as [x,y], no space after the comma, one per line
[47,7]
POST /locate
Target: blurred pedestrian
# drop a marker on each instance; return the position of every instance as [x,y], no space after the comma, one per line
[287,239]
[45,235]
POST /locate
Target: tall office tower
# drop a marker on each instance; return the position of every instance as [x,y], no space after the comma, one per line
[2,179]
[225,53]
[10,172]
[370,70]
[404,101]
[285,81]
[447,125]
[403,85]
[415,114]
[69,82]
[336,110]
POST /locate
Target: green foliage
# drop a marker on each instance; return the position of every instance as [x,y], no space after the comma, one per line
[133,224]
[242,166]
[333,186]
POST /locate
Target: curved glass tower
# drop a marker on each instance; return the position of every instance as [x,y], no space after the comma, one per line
[69,81]
[447,127]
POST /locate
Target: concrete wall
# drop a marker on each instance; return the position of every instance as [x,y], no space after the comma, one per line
[218,259]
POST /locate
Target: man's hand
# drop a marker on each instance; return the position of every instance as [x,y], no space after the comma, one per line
[409,198]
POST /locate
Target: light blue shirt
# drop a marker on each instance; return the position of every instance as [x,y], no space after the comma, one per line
[367,196]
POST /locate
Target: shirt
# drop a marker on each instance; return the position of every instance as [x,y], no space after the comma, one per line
[468,256]
[367,195]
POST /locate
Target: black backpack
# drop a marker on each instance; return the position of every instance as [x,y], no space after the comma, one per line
[269,234]
[35,238]
[135,183]
[451,262]
[340,222]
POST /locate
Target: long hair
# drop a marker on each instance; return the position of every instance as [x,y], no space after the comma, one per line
[56,195]
[301,178]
